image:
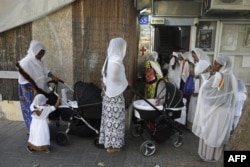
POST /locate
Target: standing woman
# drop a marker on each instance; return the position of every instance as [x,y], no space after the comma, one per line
[215,110]
[112,130]
[197,55]
[33,77]
[152,63]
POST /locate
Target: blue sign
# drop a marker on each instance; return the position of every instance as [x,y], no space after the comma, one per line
[143,19]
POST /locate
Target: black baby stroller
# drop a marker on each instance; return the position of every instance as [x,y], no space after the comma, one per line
[82,114]
[157,123]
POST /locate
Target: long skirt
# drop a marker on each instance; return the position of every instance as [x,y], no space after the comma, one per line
[112,130]
[209,154]
[25,97]
[191,111]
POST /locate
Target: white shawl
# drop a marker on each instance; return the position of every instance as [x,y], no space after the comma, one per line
[215,107]
[37,70]
[114,76]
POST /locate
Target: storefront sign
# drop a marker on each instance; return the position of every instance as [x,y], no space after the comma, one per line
[155,20]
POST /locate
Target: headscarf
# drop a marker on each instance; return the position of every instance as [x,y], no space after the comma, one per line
[200,67]
[153,56]
[154,63]
[201,54]
[215,107]
[113,70]
[36,69]
[188,56]
[225,62]
[39,100]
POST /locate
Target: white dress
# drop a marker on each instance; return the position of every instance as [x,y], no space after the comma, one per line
[39,129]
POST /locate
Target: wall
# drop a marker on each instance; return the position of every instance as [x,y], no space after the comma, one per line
[55,31]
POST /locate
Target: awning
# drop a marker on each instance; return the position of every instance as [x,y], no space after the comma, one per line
[14,13]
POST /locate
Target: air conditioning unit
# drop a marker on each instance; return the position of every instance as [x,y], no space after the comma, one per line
[225,6]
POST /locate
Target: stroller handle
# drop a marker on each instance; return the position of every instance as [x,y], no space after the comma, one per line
[54,82]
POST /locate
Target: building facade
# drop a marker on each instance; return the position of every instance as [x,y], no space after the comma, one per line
[216,26]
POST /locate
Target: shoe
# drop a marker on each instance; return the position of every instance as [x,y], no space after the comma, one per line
[29,149]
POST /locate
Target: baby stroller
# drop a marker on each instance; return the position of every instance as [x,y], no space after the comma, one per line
[83,112]
[157,123]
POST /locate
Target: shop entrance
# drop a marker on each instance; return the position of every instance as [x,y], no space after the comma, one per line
[170,39]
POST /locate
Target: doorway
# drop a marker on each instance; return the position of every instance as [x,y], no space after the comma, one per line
[170,39]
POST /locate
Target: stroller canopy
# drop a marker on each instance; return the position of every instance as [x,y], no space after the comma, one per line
[172,95]
[87,94]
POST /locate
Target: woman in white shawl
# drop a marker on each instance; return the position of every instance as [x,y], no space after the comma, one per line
[39,138]
[33,77]
[240,101]
[152,62]
[174,70]
[112,130]
[201,62]
[215,110]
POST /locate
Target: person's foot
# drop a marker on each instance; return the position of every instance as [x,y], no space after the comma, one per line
[30,150]
[112,150]
[47,151]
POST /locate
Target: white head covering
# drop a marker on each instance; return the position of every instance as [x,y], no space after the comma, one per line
[114,76]
[35,47]
[188,56]
[154,64]
[200,67]
[201,55]
[34,67]
[215,107]
[172,60]
[225,62]
[153,56]
[39,100]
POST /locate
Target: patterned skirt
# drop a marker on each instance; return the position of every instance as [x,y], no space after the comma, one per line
[112,130]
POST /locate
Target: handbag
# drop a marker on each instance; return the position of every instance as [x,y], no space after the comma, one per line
[189,86]
[150,75]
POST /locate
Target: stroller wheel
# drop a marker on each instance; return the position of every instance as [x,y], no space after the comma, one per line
[136,130]
[177,140]
[62,138]
[148,148]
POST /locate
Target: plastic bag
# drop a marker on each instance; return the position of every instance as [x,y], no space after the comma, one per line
[189,86]
[150,75]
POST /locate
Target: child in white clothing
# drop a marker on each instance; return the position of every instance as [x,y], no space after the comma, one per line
[39,137]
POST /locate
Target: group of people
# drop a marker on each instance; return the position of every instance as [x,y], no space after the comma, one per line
[216,103]
[33,95]
[211,108]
